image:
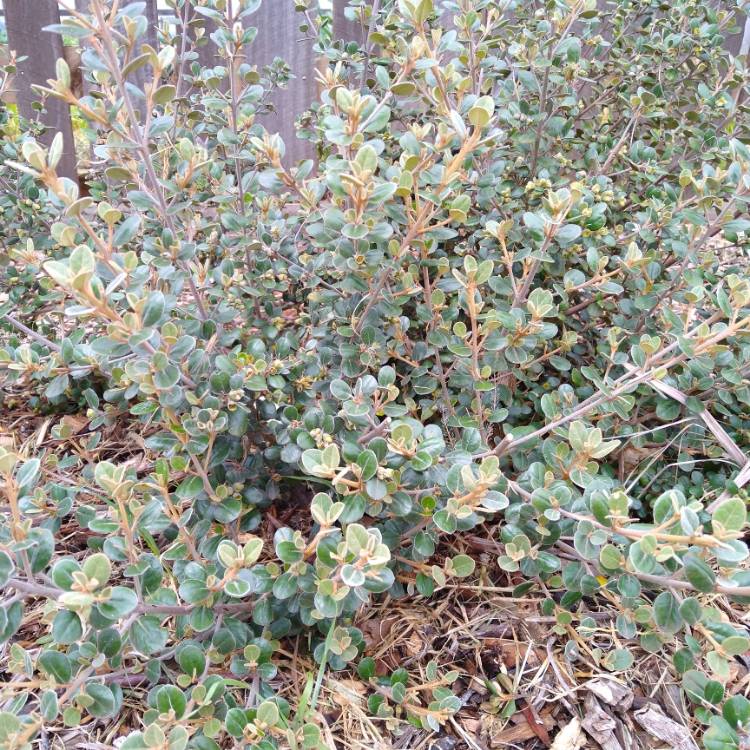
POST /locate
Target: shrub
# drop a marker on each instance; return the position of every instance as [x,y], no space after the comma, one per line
[509,295]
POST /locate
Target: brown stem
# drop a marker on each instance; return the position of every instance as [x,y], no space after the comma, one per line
[142,144]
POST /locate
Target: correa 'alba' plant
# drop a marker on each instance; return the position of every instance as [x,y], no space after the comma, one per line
[508,295]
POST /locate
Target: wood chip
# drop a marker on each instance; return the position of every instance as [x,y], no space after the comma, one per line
[497,734]
[661,727]
[611,692]
[570,737]
[599,725]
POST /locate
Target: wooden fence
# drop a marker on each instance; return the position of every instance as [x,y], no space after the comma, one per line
[280,37]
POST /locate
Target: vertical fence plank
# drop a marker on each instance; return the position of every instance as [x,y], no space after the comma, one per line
[24,21]
[82,6]
[738,43]
[208,53]
[152,14]
[343,28]
[279,35]
[356,30]
[143,75]
[188,24]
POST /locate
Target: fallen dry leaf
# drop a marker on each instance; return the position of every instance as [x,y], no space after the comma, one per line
[75,422]
[376,630]
[414,644]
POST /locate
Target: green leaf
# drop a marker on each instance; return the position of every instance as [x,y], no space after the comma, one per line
[27,475]
[736,645]
[683,660]
[699,573]
[121,602]
[56,665]
[104,704]
[49,705]
[10,621]
[285,586]
[694,685]
[713,692]
[153,309]
[619,659]
[720,736]
[731,515]
[610,556]
[235,722]
[737,710]
[642,561]
[268,714]
[71,717]
[577,436]
[368,463]
[311,737]
[167,378]
[6,567]
[462,566]
[376,488]
[568,234]
[81,261]
[228,553]
[164,94]
[367,158]
[127,230]
[445,522]
[666,613]
[481,111]
[147,636]
[41,550]
[66,627]
[421,461]
[251,550]
[352,576]
[97,568]
[59,272]
[737,225]
[330,457]
[57,387]
[171,698]
[690,610]
[366,668]
[237,588]
[189,488]
[340,389]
